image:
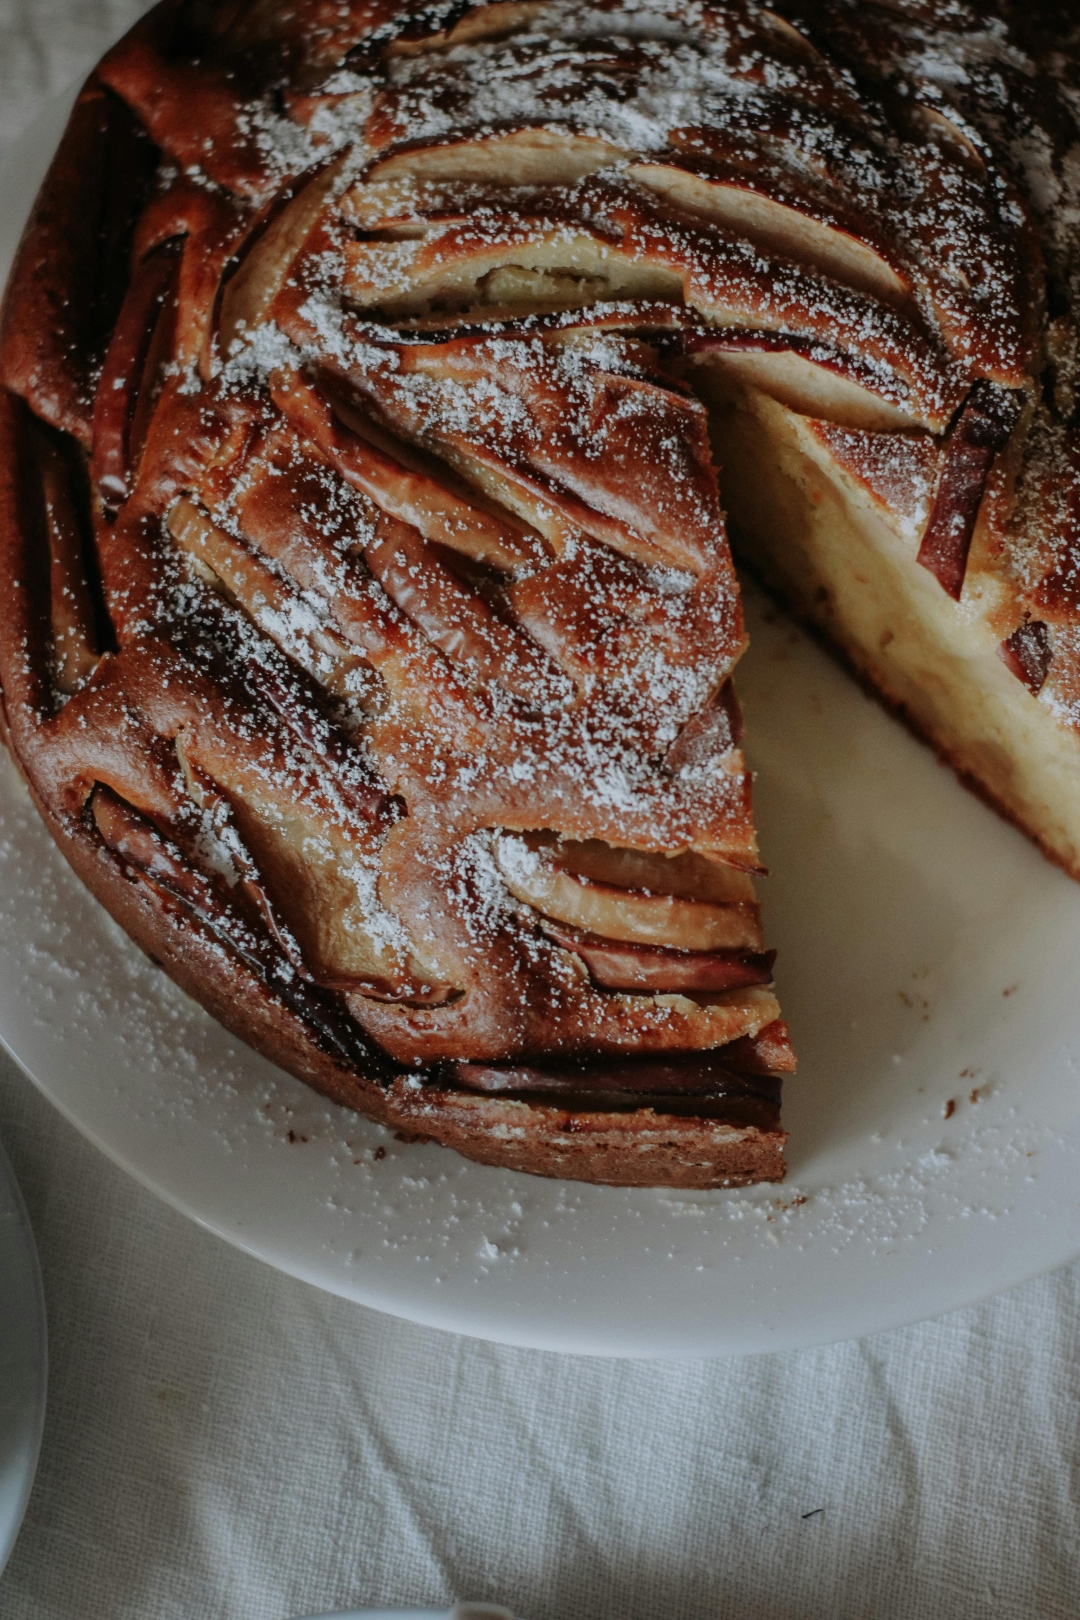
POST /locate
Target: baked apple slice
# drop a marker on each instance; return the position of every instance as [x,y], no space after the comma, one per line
[631,916]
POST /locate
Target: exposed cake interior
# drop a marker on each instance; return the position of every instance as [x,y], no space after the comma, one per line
[814,516]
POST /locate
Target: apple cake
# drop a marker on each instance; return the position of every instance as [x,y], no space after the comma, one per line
[369,618]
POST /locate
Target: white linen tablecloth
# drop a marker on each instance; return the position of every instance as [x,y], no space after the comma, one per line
[224,1443]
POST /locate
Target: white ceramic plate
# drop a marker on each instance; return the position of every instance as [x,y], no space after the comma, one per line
[927,957]
[462,1611]
[22,1359]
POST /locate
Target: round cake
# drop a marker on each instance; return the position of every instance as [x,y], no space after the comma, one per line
[375,378]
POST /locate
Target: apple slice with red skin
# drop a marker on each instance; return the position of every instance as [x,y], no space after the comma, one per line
[272,604]
[763,1058]
[688,875]
[652,970]
[709,735]
[412,497]
[650,320]
[979,434]
[122,378]
[627,916]
[690,1074]
[526,157]
[153,860]
[72,266]
[802,374]
[768,1052]
[776,224]
[651,495]
[72,609]
[269,252]
[1028,653]
[453,618]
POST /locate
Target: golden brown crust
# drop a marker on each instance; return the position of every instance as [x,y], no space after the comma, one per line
[638,1149]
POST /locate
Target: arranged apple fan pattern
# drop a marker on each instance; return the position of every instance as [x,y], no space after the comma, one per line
[369,616]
